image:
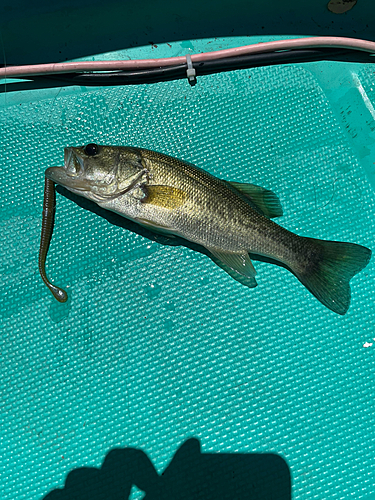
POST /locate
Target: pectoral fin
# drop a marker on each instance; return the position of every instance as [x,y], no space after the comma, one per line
[164,196]
[238,262]
[264,199]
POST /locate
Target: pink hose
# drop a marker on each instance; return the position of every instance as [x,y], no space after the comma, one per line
[297,43]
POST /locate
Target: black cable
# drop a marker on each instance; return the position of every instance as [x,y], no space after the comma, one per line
[154,75]
[204,67]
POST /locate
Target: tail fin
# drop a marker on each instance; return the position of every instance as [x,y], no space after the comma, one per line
[331,267]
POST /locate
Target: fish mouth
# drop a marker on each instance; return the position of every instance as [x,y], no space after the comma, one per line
[59,175]
[70,175]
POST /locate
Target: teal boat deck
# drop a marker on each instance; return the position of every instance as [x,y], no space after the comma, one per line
[157,344]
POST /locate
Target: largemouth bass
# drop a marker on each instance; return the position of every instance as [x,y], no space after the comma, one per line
[230,219]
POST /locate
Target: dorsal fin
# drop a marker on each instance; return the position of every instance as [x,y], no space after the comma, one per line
[264,199]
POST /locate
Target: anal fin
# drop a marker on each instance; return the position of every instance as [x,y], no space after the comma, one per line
[238,262]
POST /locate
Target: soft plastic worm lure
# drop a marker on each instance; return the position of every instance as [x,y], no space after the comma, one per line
[49,204]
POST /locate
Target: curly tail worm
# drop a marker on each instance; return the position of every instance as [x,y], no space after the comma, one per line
[49,204]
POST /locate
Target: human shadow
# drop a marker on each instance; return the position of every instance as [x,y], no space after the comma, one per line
[191,475]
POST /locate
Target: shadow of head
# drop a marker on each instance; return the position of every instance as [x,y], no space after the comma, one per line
[190,475]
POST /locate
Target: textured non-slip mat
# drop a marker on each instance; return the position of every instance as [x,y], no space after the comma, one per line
[156,344]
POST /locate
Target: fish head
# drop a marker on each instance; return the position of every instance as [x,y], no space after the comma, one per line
[98,172]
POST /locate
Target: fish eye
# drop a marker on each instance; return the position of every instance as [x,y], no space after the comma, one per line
[91,149]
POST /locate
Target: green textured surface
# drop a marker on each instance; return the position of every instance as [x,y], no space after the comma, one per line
[156,343]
